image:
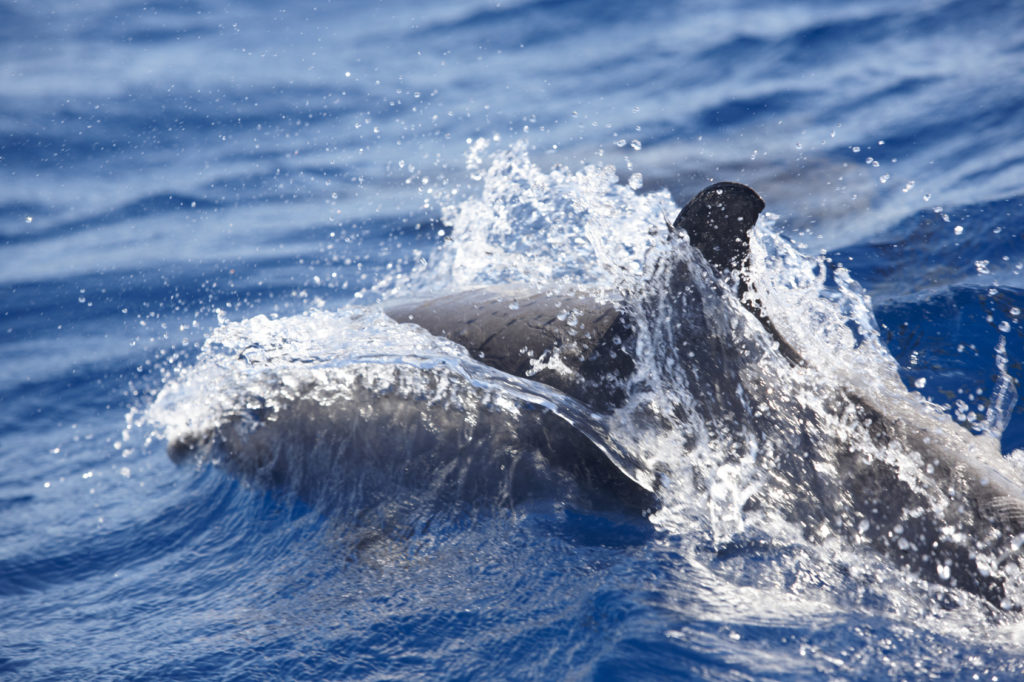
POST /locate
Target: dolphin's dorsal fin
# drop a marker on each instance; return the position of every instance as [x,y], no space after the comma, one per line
[718,221]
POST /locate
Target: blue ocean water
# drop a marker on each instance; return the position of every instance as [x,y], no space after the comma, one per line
[173,171]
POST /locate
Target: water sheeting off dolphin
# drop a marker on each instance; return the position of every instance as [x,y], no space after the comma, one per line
[297,402]
[518,330]
[587,349]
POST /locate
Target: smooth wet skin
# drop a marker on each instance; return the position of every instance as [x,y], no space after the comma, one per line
[718,221]
[572,343]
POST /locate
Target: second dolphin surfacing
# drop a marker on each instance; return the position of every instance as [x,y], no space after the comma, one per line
[955,529]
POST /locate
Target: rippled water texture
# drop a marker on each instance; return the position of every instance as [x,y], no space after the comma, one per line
[222,460]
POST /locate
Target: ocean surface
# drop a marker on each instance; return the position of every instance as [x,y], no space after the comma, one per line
[203,205]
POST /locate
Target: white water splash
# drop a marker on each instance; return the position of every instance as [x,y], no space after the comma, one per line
[546,229]
[743,442]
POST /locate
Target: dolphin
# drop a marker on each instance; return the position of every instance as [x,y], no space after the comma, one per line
[518,329]
[587,349]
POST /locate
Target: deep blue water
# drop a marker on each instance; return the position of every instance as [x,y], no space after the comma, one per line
[170,168]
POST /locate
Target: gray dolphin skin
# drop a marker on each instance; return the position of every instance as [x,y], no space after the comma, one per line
[518,330]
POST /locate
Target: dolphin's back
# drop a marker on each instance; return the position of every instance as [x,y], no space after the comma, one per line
[570,342]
